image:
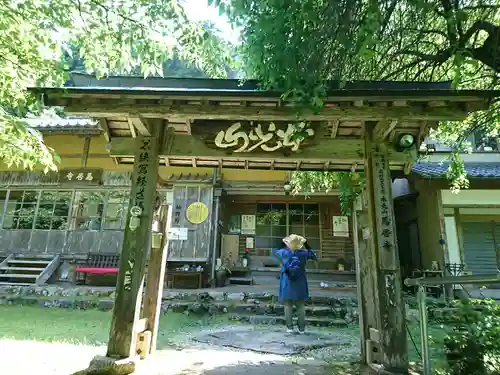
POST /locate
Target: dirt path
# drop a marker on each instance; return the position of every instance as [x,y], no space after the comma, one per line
[185,357]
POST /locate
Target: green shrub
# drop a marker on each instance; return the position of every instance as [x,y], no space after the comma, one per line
[472,346]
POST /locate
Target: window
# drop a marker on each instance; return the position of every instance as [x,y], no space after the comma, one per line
[3,198]
[50,209]
[53,210]
[270,226]
[304,220]
[275,221]
[234,224]
[87,210]
[116,210]
[21,209]
[484,142]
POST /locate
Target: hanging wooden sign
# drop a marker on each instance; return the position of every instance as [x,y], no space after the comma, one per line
[81,176]
[247,137]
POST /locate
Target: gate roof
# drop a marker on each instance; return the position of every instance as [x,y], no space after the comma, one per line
[196,110]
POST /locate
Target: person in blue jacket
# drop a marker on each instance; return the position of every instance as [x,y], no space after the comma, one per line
[294,291]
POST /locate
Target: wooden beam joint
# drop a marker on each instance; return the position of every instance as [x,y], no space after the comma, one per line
[140,124]
[383,129]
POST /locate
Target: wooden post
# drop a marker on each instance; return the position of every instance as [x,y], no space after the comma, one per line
[137,236]
[155,278]
[366,276]
[388,285]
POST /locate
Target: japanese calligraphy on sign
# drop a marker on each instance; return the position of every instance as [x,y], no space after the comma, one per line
[142,173]
[177,214]
[81,176]
[268,138]
[384,210]
[127,284]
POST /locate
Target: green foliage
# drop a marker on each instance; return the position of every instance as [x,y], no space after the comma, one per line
[296,46]
[473,345]
[23,147]
[109,36]
[349,184]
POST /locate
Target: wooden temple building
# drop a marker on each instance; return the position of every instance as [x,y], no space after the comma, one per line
[220,155]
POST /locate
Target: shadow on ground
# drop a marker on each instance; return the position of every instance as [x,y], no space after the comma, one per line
[262,369]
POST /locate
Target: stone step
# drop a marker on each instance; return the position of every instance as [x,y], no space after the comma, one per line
[273,320]
[255,298]
[29,269]
[17,276]
[28,261]
[241,280]
[329,313]
[312,310]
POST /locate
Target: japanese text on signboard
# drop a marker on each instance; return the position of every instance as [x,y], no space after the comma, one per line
[268,140]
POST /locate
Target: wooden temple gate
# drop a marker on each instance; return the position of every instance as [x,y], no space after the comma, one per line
[357,130]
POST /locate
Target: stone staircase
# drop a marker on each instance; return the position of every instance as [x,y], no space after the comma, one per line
[241,276]
[262,308]
[27,270]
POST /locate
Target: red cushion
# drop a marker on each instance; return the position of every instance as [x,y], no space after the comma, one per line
[96,270]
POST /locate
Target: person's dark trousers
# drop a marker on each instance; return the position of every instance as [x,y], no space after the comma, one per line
[301,314]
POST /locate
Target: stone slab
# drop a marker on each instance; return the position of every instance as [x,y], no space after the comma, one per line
[272,341]
[101,365]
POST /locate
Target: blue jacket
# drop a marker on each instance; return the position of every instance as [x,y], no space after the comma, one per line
[297,289]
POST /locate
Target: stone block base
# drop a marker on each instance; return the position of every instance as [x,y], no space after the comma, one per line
[101,365]
[375,369]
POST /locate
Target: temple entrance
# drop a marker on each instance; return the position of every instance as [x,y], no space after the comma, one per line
[366,127]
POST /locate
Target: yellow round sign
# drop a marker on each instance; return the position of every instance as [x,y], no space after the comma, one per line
[197,213]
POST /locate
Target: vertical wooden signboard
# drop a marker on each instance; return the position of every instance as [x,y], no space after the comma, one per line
[134,251]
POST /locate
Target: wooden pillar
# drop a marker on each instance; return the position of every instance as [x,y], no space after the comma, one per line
[137,236]
[366,275]
[155,278]
[85,151]
[388,295]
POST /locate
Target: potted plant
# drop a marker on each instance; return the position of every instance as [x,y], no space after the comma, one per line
[244,258]
[341,264]
[221,274]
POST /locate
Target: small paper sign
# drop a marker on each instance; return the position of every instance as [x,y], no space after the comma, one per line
[249,243]
[178,234]
[340,226]
[247,224]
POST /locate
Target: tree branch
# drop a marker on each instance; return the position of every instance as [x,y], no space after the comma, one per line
[439,57]
[450,27]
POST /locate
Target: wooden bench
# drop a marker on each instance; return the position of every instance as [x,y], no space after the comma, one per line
[98,264]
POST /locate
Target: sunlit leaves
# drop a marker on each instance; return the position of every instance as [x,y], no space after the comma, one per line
[349,185]
[112,37]
[297,45]
[22,147]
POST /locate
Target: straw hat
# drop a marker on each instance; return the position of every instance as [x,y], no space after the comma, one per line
[294,241]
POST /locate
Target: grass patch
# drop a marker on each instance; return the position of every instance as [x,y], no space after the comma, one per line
[91,327]
[86,327]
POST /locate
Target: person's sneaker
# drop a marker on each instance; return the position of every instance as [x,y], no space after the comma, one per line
[302,332]
[289,330]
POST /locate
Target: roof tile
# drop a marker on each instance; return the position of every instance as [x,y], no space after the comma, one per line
[431,170]
[58,123]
